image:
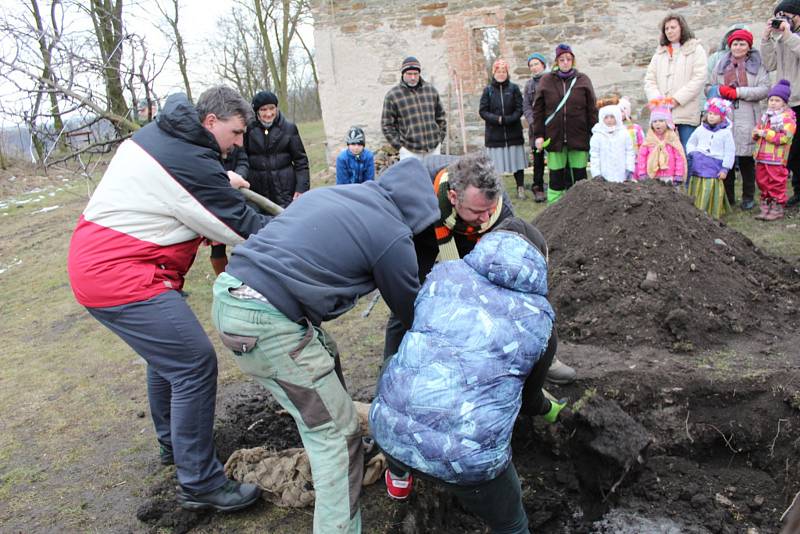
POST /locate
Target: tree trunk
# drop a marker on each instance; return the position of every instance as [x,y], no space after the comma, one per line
[46,49]
[107,19]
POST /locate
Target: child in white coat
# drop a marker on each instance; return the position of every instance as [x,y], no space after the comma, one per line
[611,152]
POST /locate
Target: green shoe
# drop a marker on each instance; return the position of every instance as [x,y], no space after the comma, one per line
[555,408]
[553,195]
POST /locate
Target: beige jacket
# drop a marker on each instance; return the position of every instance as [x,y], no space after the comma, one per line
[681,76]
[784,56]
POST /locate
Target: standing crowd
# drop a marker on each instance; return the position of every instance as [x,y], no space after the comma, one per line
[471,337]
[711,118]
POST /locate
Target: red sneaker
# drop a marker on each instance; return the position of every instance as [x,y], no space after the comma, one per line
[398,488]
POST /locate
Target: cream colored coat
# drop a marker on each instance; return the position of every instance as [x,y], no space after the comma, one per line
[681,76]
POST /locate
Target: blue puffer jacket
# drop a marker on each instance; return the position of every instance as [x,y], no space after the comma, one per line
[352,169]
[447,401]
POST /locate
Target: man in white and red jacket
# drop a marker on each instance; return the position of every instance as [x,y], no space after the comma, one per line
[164,190]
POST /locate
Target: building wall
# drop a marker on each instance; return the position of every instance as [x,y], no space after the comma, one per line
[360,45]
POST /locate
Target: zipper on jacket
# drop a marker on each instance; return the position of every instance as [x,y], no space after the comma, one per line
[502,114]
[564,112]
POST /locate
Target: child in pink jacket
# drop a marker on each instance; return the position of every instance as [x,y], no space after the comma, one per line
[773,135]
[661,156]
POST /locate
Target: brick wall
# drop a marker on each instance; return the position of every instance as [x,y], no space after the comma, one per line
[361,44]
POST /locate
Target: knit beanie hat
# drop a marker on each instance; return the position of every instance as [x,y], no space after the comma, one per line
[499,65]
[525,229]
[410,63]
[661,110]
[565,49]
[789,6]
[741,35]
[263,98]
[538,56]
[720,106]
[782,89]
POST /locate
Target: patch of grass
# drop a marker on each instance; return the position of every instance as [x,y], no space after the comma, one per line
[313,135]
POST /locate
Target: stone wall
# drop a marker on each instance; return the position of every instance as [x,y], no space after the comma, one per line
[360,45]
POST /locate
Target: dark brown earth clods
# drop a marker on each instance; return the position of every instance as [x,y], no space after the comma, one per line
[636,264]
[687,417]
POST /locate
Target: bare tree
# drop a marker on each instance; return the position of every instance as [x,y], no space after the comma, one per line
[172,20]
[107,20]
[46,45]
[277,24]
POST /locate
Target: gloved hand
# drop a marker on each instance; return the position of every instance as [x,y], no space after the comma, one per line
[555,408]
[728,92]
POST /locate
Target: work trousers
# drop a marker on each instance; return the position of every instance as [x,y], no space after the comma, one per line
[297,364]
[498,502]
[181,381]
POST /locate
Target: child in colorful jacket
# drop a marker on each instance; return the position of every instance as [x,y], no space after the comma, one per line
[773,135]
[634,130]
[712,151]
[661,156]
[355,164]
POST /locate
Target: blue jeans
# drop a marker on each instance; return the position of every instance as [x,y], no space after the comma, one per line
[685,132]
[181,381]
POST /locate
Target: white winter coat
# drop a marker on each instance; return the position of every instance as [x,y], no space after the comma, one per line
[718,144]
[611,152]
[681,76]
[747,108]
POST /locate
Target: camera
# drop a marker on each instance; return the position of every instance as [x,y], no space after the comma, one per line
[776,22]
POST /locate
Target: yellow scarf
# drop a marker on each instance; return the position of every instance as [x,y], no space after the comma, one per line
[450,223]
[659,157]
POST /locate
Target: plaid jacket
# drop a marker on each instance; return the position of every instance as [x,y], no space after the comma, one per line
[413,117]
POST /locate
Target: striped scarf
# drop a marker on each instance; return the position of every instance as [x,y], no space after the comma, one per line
[451,224]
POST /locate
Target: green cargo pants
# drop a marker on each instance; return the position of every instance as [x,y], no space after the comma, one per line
[293,363]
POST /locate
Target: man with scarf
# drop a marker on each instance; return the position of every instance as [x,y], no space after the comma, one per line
[471,203]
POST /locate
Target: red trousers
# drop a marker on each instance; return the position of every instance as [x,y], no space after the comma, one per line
[771,180]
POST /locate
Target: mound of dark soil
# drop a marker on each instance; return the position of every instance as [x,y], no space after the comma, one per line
[637,264]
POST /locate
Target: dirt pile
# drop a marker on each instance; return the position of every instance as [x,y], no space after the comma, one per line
[636,264]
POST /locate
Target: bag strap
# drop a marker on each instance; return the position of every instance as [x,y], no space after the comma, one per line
[563,101]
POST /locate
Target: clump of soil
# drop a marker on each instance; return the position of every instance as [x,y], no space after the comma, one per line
[637,264]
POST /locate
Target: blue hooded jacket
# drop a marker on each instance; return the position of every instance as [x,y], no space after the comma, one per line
[352,169]
[448,400]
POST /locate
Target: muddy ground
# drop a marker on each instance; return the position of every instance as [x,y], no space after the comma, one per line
[687,407]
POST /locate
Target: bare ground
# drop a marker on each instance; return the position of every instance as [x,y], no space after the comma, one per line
[721,417]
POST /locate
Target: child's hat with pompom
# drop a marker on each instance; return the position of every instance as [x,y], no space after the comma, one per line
[661,110]
[720,106]
[782,89]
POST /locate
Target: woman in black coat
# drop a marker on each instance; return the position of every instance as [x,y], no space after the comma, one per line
[278,161]
[501,108]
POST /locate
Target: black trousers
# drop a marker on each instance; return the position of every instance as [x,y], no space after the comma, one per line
[794,159]
[747,170]
[538,169]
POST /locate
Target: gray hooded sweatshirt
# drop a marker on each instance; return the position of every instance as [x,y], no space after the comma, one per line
[336,244]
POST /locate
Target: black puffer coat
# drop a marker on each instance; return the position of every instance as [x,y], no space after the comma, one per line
[502,100]
[278,161]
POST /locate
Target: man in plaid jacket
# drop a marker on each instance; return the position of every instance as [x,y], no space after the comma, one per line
[413,119]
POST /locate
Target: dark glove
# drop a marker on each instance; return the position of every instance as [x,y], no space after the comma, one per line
[728,92]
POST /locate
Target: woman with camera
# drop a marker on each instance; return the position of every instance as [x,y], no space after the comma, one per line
[780,50]
[678,70]
[740,76]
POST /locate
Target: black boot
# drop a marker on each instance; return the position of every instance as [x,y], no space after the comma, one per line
[229,497]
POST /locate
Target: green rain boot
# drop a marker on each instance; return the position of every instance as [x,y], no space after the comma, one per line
[553,195]
[555,407]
